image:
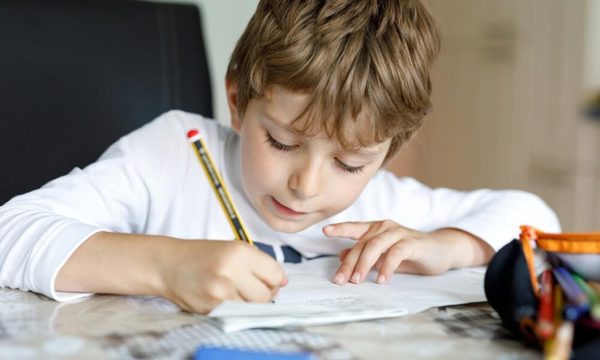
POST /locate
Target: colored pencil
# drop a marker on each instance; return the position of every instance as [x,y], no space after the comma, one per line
[572,291]
[558,305]
[593,298]
[595,286]
[561,349]
[545,323]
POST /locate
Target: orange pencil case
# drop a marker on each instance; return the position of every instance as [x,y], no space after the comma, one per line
[580,251]
[511,285]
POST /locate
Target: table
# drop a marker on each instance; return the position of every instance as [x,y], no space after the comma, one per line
[125,327]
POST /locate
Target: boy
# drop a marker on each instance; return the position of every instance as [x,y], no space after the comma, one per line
[321,94]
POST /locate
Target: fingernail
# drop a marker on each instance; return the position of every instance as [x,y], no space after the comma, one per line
[339,278]
[356,277]
[328,229]
[381,279]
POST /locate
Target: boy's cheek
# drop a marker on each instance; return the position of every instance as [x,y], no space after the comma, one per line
[346,192]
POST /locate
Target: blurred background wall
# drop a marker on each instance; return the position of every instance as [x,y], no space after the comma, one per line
[509,90]
[509,87]
[591,79]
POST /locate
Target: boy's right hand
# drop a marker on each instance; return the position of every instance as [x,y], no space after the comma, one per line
[197,275]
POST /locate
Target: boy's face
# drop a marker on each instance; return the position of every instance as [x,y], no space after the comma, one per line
[294,180]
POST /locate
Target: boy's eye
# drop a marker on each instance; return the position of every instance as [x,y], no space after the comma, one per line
[277,145]
[348,168]
[283,147]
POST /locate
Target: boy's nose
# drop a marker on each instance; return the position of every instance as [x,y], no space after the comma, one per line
[305,182]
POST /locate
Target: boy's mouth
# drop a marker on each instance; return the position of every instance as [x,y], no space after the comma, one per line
[284,209]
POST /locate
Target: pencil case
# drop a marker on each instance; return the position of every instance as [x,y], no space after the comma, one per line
[512,286]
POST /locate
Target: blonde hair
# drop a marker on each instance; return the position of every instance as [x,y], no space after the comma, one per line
[354,57]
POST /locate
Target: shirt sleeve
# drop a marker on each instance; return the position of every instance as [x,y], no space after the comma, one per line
[40,230]
[492,215]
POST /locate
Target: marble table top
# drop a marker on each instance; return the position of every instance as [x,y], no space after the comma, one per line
[125,327]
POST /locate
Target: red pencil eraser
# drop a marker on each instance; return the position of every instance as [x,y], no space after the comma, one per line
[192,133]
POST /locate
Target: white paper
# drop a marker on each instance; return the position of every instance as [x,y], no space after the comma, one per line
[311,298]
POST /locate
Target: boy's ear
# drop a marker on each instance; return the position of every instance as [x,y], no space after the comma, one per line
[231,88]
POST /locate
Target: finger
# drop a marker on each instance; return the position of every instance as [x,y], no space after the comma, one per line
[351,229]
[345,272]
[395,255]
[379,262]
[344,253]
[206,299]
[268,270]
[373,251]
[252,289]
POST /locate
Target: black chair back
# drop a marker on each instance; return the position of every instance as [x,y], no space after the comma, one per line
[75,75]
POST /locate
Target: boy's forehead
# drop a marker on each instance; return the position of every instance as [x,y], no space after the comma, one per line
[284,104]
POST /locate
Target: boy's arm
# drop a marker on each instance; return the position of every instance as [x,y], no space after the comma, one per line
[491,215]
[58,225]
[41,229]
[114,263]
[196,275]
[455,228]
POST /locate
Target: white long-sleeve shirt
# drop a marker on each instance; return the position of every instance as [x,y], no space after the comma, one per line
[150,182]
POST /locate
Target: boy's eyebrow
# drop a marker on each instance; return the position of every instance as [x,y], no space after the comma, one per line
[367,152]
[287,127]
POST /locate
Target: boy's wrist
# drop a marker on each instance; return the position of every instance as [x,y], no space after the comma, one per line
[161,257]
[461,248]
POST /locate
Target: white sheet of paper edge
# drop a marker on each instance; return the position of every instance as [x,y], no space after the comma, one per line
[310,298]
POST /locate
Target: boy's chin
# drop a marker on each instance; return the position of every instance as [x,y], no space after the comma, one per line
[287,226]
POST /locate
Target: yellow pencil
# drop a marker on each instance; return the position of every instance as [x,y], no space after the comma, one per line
[561,349]
[550,344]
[549,349]
[218,186]
[595,286]
[558,305]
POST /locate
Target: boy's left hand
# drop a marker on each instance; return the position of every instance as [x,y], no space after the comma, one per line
[390,247]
